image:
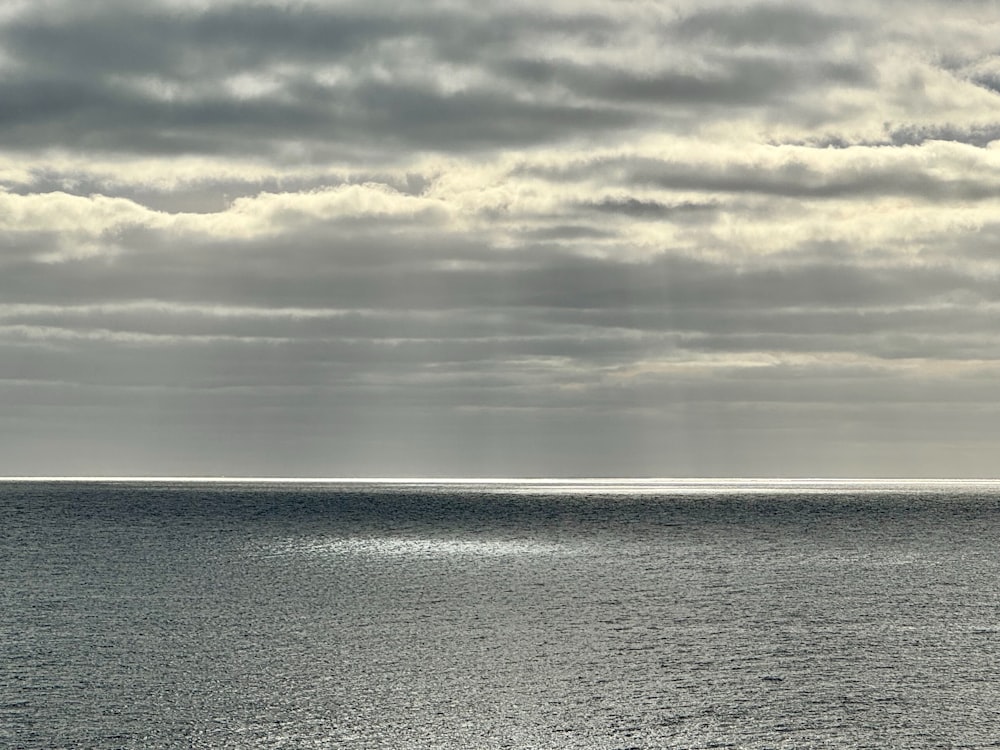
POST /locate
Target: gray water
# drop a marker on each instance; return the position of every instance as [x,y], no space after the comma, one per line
[543,615]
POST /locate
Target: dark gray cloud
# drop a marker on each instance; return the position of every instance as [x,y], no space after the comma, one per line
[791,178]
[105,118]
[652,209]
[162,80]
[914,135]
[157,80]
[184,45]
[525,304]
[765,25]
[732,80]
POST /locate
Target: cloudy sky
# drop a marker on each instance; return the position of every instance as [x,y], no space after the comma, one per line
[493,238]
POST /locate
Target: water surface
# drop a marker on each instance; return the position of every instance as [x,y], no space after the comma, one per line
[499,615]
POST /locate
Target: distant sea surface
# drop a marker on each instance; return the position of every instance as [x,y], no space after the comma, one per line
[605,615]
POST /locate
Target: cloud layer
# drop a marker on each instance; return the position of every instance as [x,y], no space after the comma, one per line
[344,238]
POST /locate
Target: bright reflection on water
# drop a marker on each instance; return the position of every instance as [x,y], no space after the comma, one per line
[593,615]
[428,548]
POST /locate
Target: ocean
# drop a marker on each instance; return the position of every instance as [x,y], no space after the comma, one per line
[545,614]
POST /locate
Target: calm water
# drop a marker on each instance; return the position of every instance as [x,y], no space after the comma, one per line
[254,615]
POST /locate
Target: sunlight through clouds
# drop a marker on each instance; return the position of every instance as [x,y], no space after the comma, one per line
[410,236]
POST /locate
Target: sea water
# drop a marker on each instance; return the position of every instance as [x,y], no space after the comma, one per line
[499,615]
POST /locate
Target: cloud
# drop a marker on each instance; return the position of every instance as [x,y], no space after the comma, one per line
[765,25]
[287,82]
[239,79]
[936,172]
[637,207]
[494,237]
[733,81]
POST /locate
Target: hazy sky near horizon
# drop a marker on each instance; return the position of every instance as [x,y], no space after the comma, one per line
[499,238]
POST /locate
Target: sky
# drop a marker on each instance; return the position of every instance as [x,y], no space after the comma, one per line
[446,238]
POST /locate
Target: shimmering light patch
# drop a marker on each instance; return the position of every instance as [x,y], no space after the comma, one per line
[576,486]
[703,486]
[422,547]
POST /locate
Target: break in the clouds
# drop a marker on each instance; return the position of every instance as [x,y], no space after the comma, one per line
[339,238]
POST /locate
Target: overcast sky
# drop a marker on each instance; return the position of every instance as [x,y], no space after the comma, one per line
[448,238]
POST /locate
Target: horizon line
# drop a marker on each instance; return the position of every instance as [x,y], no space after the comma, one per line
[222,478]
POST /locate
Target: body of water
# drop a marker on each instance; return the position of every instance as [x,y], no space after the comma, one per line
[605,615]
